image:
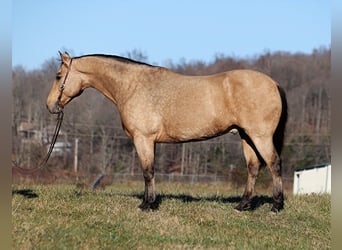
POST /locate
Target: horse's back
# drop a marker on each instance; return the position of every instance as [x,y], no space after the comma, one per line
[250,80]
[210,105]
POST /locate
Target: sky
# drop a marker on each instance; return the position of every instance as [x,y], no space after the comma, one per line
[166,30]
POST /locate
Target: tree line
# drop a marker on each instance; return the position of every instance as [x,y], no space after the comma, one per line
[94,122]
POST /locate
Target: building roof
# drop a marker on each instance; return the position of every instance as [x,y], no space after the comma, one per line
[312,167]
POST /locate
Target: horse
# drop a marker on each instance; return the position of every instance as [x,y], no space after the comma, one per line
[157,105]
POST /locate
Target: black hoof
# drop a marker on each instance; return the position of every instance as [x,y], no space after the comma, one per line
[243,205]
[277,207]
[147,206]
[278,203]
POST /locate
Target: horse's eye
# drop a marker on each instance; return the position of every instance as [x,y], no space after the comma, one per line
[58,77]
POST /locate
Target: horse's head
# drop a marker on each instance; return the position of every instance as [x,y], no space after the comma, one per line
[67,85]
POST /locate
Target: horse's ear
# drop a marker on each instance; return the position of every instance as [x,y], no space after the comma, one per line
[65,57]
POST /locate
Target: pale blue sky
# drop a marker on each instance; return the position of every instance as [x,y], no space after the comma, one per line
[166,30]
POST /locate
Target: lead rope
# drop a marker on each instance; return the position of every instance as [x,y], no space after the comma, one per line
[44,162]
[54,138]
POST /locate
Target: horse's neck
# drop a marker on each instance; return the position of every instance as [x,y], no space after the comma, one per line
[109,77]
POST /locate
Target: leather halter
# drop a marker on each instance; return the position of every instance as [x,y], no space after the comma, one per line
[61,88]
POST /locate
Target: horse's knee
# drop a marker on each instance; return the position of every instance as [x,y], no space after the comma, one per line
[148,173]
[253,170]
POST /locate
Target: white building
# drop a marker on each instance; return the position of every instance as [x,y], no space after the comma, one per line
[313,179]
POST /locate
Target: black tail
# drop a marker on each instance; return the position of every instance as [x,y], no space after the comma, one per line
[279,134]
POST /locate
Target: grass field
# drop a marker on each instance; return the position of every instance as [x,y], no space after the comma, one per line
[190,216]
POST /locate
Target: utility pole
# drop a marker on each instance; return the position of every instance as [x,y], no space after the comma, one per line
[76,155]
[183,159]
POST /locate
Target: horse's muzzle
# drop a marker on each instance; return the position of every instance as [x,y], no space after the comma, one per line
[54,109]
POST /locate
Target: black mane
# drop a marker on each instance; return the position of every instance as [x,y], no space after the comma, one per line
[117,58]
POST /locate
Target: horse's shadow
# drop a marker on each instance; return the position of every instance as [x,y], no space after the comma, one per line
[27,193]
[256,201]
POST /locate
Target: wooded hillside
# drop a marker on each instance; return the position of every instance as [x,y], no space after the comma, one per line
[93,122]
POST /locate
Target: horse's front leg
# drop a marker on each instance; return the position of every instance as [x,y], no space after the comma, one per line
[145,150]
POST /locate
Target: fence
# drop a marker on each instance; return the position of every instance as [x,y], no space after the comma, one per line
[113,153]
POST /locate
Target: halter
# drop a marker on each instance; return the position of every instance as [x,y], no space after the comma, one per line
[61,88]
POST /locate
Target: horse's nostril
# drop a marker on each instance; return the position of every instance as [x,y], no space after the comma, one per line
[53,109]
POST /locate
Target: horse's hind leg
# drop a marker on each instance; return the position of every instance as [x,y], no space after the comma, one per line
[269,154]
[145,150]
[253,165]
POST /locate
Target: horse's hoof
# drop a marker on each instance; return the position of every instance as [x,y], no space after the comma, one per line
[147,207]
[276,208]
[243,206]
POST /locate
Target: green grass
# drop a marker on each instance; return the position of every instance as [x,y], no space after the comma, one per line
[197,216]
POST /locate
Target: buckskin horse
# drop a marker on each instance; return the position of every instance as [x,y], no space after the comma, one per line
[158,105]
